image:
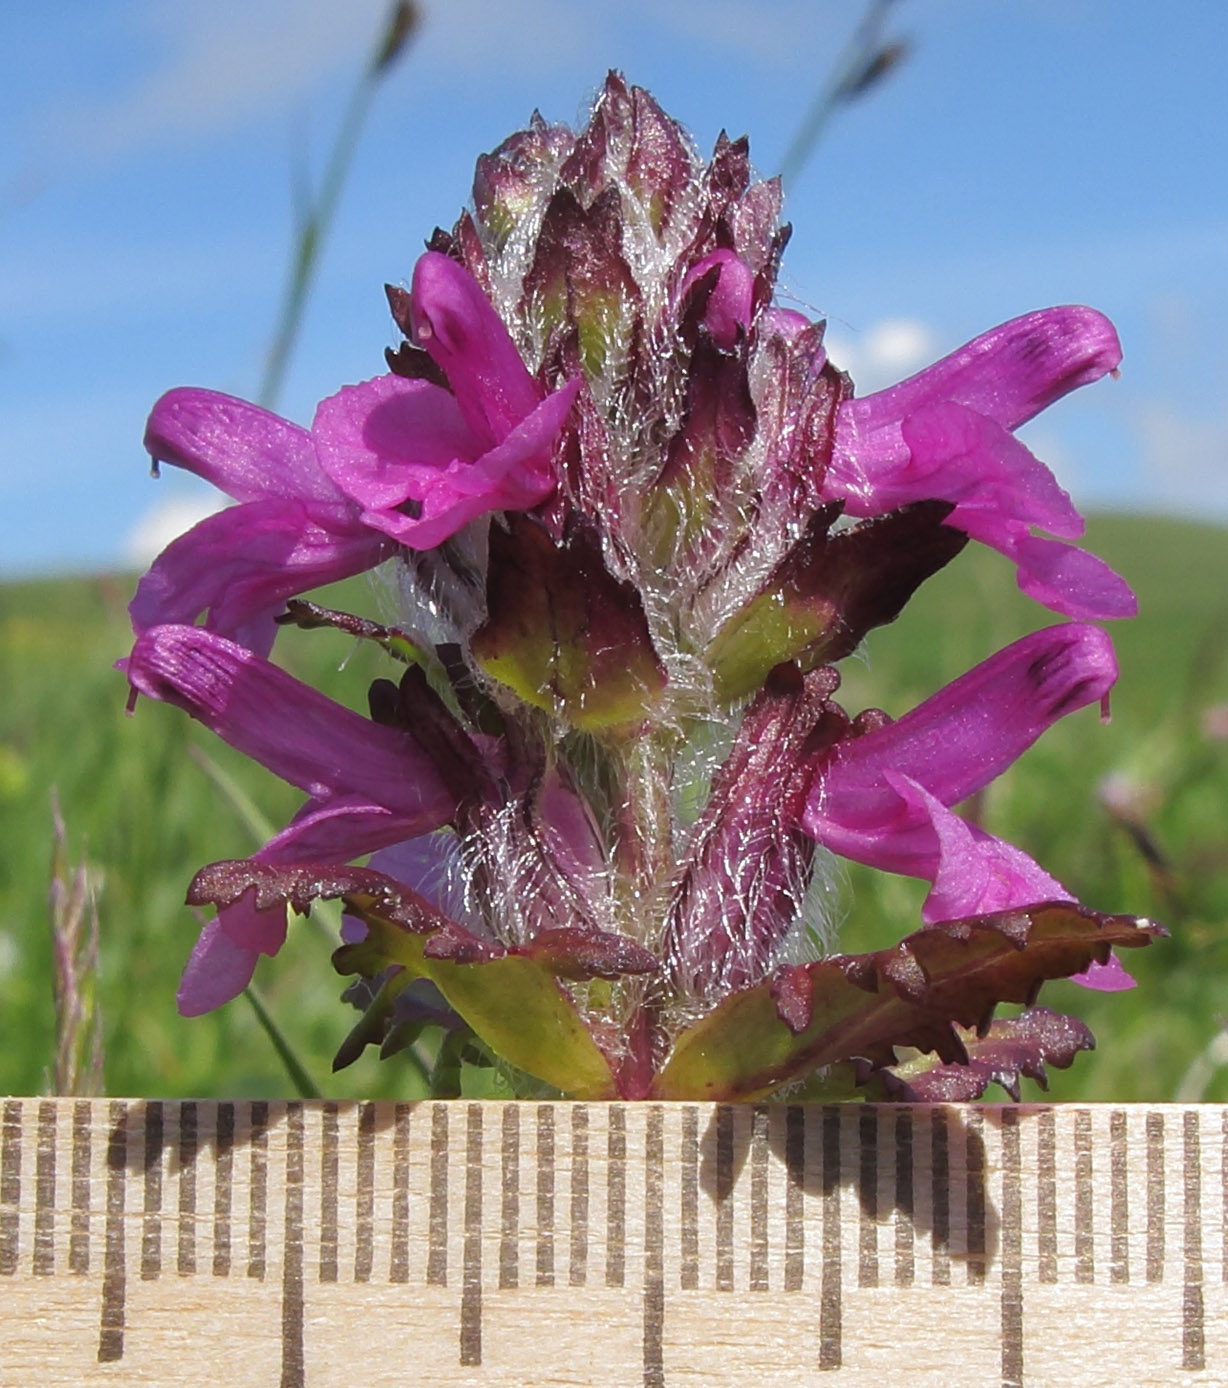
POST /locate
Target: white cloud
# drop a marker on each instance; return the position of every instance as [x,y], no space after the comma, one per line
[1187,458]
[218,66]
[166,520]
[885,353]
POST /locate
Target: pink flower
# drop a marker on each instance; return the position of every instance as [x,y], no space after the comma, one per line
[883,798]
[293,528]
[370,786]
[420,461]
[391,461]
[946,433]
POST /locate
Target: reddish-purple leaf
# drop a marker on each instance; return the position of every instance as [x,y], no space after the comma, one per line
[1012,1047]
[583,954]
[917,994]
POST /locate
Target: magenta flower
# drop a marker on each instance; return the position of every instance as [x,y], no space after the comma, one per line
[292,531]
[615,480]
[399,460]
[947,432]
[422,460]
[874,800]
[883,798]
[370,786]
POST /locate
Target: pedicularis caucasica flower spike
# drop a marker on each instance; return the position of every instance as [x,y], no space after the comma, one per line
[636,518]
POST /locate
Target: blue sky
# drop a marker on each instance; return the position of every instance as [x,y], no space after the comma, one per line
[1030,153]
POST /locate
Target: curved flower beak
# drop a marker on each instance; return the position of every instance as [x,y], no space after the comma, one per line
[299,734]
[293,529]
[421,461]
[371,786]
[883,798]
[457,324]
[946,433]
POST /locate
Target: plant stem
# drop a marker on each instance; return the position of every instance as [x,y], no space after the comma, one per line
[302,1081]
[317,217]
[865,60]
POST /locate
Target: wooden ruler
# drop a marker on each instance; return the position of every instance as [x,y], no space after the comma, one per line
[611,1244]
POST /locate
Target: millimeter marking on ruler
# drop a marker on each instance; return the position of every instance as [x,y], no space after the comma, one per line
[654,1243]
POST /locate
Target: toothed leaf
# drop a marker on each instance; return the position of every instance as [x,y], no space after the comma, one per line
[1011,1048]
[862,1006]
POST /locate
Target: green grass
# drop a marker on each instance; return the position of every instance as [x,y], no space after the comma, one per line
[146,814]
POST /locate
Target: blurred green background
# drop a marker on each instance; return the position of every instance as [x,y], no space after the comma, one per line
[1131,817]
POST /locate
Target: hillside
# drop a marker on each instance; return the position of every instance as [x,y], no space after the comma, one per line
[134,792]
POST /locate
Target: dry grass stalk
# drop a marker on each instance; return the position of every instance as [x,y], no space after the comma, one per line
[72,906]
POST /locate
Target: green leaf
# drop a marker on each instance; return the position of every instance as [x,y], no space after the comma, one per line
[849,1007]
[562,632]
[528,1018]
[829,590]
[514,1002]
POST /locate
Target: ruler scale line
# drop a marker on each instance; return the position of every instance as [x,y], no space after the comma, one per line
[437,1226]
[293,1349]
[1085,1255]
[940,1199]
[509,1208]
[616,1196]
[1046,1196]
[545,1195]
[1193,1331]
[905,1266]
[831,1276]
[724,1199]
[330,1138]
[471,1259]
[688,1214]
[223,1190]
[364,1198]
[1119,1198]
[10,1186]
[1155,1197]
[44,1190]
[151,1225]
[654,1249]
[577,1265]
[1223,1190]
[398,1258]
[185,1252]
[1012,1254]
[759,1250]
[114,1272]
[258,1177]
[975,1212]
[82,1153]
[795,1206]
[867,1191]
